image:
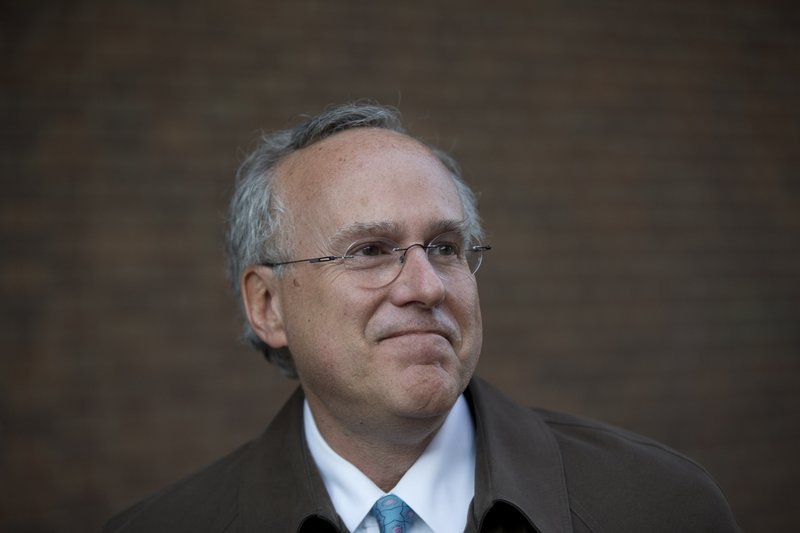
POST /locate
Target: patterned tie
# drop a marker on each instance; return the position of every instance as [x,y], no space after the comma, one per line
[393,515]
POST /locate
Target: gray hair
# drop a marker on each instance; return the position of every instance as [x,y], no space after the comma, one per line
[258,219]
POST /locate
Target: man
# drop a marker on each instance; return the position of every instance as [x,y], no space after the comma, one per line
[353,248]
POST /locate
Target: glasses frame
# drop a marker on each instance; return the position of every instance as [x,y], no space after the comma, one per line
[402,257]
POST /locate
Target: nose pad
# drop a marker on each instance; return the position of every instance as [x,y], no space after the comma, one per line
[405,252]
[430,265]
[423,285]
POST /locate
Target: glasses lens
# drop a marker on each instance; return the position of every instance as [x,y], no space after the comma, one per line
[374,261]
[474,258]
[453,252]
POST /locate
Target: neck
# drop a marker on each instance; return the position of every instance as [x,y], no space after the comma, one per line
[382,450]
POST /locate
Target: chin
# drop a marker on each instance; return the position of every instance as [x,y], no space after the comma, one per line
[429,390]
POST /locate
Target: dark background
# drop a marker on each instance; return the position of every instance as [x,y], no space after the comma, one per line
[638,164]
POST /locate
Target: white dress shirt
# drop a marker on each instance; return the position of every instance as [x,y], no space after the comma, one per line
[439,486]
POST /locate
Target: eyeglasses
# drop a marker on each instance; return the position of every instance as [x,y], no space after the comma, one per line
[377,262]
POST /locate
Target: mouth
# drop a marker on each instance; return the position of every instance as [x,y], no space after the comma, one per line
[437,330]
[416,332]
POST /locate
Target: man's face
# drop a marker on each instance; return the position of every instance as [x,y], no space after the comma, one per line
[406,349]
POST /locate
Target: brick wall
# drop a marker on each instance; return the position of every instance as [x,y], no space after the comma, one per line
[638,169]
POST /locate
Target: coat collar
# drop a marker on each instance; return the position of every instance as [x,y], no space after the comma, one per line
[283,473]
[518,463]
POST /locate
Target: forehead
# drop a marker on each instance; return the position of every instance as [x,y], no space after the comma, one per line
[366,176]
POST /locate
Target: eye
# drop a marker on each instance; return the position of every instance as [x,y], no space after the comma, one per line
[443,249]
[371,249]
[447,245]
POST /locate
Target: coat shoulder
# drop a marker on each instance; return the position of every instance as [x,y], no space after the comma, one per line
[206,501]
[622,479]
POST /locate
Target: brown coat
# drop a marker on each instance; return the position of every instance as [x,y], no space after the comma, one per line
[535,471]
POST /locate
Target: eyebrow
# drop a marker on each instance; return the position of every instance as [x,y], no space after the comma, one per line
[448,225]
[349,234]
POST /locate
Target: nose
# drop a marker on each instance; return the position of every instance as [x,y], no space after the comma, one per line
[405,252]
[418,281]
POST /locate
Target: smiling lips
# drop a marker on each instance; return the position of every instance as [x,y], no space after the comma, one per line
[416,332]
[442,329]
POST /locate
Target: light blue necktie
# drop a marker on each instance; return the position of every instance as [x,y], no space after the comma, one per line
[393,515]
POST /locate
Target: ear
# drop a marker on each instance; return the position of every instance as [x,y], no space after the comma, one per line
[262,303]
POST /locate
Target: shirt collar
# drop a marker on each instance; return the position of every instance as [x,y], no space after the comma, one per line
[447,466]
[523,469]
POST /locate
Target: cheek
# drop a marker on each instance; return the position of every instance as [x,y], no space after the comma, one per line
[465,303]
[467,311]
[324,316]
